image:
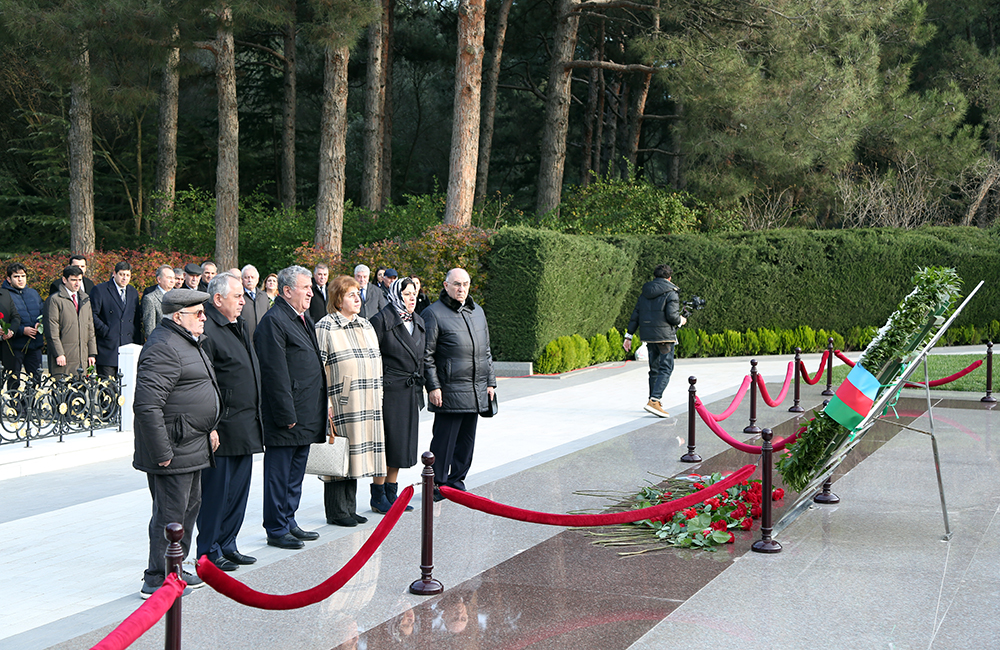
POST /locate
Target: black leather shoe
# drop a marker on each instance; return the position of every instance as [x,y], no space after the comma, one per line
[238,558]
[358,518]
[306,535]
[347,522]
[437,495]
[285,541]
[225,564]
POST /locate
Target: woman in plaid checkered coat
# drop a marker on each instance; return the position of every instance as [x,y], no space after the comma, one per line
[350,354]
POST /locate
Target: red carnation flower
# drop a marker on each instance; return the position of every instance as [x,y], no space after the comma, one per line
[719,525]
[746,524]
[740,512]
[732,538]
[699,486]
[713,502]
[690,513]
[778,494]
[755,512]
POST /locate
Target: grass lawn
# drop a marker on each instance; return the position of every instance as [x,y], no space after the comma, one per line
[940,365]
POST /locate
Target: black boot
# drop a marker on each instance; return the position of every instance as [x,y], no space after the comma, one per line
[379,503]
[390,494]
[335,503]
[351,494]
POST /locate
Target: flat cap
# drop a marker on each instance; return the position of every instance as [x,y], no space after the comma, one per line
[192,269]
[391,273]
[177,299]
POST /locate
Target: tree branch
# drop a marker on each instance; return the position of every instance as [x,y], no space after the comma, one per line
[609,65]
[274,53]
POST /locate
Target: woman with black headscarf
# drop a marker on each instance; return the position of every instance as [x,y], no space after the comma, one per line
[401,340]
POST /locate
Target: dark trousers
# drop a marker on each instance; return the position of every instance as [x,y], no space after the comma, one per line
[284,468]
[107,371]
[452,446]
[16,359]
[340,498]
[224,492]
[176,498]
[661,366]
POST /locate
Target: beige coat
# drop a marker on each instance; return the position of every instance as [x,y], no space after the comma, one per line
[69,333]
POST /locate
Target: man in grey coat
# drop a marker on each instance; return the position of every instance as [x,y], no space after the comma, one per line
[458,374]
[152,302]
[177,407]
[257,302]
[373,299]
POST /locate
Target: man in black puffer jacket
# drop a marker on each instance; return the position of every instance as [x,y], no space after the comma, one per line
[458,373]
[657,315]
[177,405]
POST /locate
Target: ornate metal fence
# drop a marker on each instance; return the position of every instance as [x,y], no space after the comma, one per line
[55,406]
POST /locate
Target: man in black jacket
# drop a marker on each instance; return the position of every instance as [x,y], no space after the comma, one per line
[317,304]
[176,411]
[226,486]
[657,315]
[294,406]
[458,374]
[117,317]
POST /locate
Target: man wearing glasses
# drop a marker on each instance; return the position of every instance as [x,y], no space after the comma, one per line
[177,408]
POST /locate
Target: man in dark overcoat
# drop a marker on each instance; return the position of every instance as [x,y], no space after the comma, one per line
[117,318]
[317,304]
[225,487]
[294,403]
[458,370]
[176,411]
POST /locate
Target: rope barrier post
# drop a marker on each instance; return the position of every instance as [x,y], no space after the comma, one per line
[826,496]
[829,367]
[752,428]
[795,408]
[989,374]
[174,557]
[427,585]
[691,456]
[765,544]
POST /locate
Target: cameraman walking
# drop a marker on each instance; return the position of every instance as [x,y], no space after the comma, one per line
[657,315]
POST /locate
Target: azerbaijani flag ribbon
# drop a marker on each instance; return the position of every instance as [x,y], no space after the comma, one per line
[854,398]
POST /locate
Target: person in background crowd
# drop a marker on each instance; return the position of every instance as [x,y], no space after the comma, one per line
[349,351]
[208,271]
[25,349]
[226,486]
[178,277]
[458,371]
[177,407]
[388,278]
[657,315]
[257,302]
[401,338]
[317,307]
[152,302]
[423,302]
[271,288]
[379,275]
[69,326]
[372,297]
[192,276]
[12,319]
[117,318]
[88,284]
[293,404]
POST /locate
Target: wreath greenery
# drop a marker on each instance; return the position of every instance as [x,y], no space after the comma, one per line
[935,293]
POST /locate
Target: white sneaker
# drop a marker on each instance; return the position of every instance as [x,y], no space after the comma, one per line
[654,407]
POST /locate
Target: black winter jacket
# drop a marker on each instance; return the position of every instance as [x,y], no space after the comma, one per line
[230,348]
[657,313]
[176,402]
[29,307]
[457,358]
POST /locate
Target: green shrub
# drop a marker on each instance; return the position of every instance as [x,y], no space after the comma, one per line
[838,341]
[550,360]
[733,343]
[615,350]
[993,331]
[806,339]
[716,345]
[770,342]
[788,341]
[687,343]
[751,343]
[581,352]
[704,344]
[599,350]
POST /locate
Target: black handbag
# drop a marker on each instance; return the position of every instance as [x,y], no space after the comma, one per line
[491,408]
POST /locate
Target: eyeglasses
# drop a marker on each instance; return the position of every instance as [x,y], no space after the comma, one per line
[199,314]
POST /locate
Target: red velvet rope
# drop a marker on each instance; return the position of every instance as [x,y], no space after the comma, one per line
[949,378]
[819,373]
[733,442]
[843,357]
[236,590]
[667,509]
[736,401]
[784,388]
[145,617]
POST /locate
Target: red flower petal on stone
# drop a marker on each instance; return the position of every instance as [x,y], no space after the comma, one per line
[778,494]
[746,524]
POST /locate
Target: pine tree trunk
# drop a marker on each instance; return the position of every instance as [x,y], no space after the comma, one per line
[166,139]
[611,134]
[288,179]
[332,152]
[388,21]
[227,175]
[465,120]
[635,118]
[371,163]
[586,161]
[675,175]
[81,161]
[557,100]
[490,103]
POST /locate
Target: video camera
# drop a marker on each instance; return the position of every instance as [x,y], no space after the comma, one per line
[690,306]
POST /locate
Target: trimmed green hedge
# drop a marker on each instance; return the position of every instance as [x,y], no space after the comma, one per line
[544,285]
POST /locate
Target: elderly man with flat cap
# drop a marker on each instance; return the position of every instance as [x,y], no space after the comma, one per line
[192,276]
[177,408]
